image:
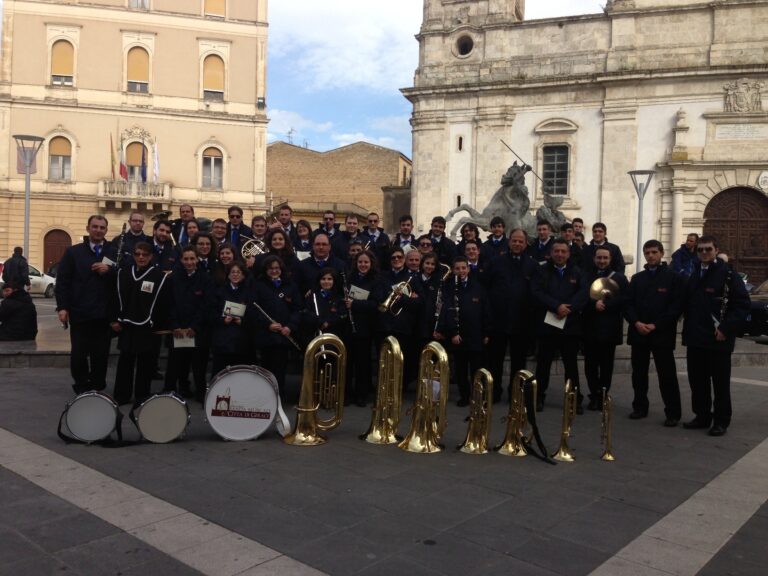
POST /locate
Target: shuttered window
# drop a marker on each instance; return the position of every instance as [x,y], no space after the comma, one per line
[215,8]
[62,63]
[213,78]
[59,159]
[133,160]
[213,168]
[138,70]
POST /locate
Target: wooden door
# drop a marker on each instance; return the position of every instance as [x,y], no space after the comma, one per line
[55,244]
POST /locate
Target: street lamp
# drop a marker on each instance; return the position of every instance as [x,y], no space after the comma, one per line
[641,180]
[27,148]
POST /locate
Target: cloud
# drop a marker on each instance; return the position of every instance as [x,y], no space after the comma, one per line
[352,137]
[396,123]
[282,121]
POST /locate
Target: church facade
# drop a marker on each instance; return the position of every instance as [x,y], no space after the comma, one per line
[673,86]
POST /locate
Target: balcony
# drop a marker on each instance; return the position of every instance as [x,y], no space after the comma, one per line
[133,192]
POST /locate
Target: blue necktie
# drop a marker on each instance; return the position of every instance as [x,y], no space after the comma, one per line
[276,282]
[561,271]
[97,250]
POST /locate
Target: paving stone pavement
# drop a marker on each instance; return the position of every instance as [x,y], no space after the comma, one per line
[349,507]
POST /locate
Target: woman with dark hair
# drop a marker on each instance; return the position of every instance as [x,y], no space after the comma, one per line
[226,255]
[203,245]
[324,307]
[429,278]
[362,312]
[192,227]
[229,343]
[272,330]
[304,232]
[278,244]
[468,232]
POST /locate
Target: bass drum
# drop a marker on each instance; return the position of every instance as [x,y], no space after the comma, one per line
[91,416]
[241,403]
[162,418]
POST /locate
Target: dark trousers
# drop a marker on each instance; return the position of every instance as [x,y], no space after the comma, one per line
[180,361]
[275,359]
[664,358]
[359,369]
[497,350]
[709,371]
[134,376]
[547,346]
[598,367]
[466,364]
[90,352]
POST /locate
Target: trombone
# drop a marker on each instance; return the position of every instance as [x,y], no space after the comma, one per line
[389,396]
[481,403]
[564,453]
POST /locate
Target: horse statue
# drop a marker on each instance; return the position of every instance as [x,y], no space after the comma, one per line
[510,201]
[550,213]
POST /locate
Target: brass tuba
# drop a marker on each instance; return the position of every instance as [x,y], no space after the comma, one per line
[428,413]
[389,395]
[392,303]
[322,385]
[481,403]
[252,247]
[564,453]
[605,429]
[517,417]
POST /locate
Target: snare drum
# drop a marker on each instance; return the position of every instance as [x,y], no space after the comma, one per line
[91,416]
[162,418]
[241,402]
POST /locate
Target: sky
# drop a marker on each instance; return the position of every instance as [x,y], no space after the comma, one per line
[336,68]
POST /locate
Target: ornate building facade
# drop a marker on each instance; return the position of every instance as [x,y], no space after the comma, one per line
[674,86]
[174,90]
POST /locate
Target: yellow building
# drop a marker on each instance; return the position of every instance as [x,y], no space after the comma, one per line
[175,89]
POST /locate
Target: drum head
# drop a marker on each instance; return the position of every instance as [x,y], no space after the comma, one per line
[162,418]
[241,402]
[91,416]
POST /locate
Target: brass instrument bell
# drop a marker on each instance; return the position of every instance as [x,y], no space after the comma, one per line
[399,291]
[603,288]
[481,403]
[564,453]
[517,419]
[385,416]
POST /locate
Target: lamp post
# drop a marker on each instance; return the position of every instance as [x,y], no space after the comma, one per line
[27,148]
[641,179]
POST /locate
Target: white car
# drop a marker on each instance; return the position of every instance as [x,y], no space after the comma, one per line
[39,283]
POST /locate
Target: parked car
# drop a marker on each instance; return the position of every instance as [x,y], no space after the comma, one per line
[757,321]
[39,283]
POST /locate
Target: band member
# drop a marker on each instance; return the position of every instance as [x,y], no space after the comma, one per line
[567,233]
[464,322]
[259,227]
[469,233]
[203,245]
[561,294]
[684,259]
[379,240]
[361,308]
[424,245]
[309,268]
[540,247]
[509,278]
[472,253]
[578,239]
[229,343]
[191,229]
[599,239]
[413,262]
[603,325]
[405,236]
[163,253]
[350,234]
[186,213]
[331,229]
[191,308]
[303,233]
[238,233]
[84,284]
[279,297]
[137,309]
[430,284]
[279,244]
[284,221]
[324,307]
[497,241]
[219,231]
[653,308]
[355,247]
[226,256]
[443,247]
[716,305]
[578,226]
[132,236]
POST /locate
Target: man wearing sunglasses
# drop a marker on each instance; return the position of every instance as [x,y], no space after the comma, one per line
[379,240]
[238,233]
[716,306]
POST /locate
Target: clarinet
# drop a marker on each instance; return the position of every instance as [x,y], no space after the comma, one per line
[439,297]
[120,245]
[346,297]
[456,304]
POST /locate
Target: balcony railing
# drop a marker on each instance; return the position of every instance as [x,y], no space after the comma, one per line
[130,190]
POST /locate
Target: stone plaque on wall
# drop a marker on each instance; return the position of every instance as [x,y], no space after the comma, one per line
[741,132]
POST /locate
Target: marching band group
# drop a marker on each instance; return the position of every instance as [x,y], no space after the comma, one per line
[217,302]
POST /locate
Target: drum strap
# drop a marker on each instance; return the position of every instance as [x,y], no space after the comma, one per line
[107,442]
[530,408]
[282,424]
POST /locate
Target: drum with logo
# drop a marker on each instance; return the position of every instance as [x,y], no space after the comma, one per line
[241,403]
[91,416]
[162,418]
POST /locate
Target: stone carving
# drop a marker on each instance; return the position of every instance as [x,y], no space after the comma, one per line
[743,95]
[550,212]
[510,201]
[619,5]
[136,133]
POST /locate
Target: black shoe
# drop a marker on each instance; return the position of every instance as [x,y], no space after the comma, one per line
[695,424]
[579,409]
[594,405]
[540,405]
[670,422]
[637,415]
[717,430]
[461,403]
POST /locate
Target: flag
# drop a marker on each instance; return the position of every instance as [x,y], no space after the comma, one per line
[112,155]
[123,167]
[143,163]
[156,165]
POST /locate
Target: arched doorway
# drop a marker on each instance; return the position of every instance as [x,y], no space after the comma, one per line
[738,218]
[55,243]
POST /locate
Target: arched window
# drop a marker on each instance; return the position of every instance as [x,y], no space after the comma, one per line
[62,63]
[59,159]
[138,70]
[134,154]
[215,8]
[213,78]
[213,168]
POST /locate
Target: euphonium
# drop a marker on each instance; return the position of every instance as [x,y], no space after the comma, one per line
[252,247]
[399,290]
[605,432]
[428,413]
[389,395]
[564,453]
[517,419]
[481,402]
[322,385]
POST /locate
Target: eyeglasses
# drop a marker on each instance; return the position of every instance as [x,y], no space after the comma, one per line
[373,221]
[141,254]
[425,244]
[235,216]
[396,257]
[705,249]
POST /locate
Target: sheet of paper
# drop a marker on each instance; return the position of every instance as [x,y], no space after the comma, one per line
[357,293]
[183,341]
[552,319]
[301,255]
[233,309]
[107,261]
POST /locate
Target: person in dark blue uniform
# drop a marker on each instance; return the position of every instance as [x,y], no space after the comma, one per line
[497,242]
[441,245]
[309,268]
[133,235]
[206,260]
[599,239]
[541,245]
[163,253]
[238,232]
[379,241]
[716,306]
[653,309]
[405,237]
[229,342]
[561,294]
[84,285]
[18,316]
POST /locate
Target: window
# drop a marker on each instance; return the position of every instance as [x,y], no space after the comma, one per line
[138,70]
[213,168]
[133,160]
[556,169]
[59,159]
[213,78]
[216,8]
[138,4]
[62,63]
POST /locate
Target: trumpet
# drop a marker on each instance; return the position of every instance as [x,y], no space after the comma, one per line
[323,381]
[517,420]
[481,403]
[252,247]
[428,413]
[389,396]
[399,291]
[605,428]
[564,453]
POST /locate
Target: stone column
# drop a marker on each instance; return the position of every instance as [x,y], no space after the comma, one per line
[678,198]
[430,175]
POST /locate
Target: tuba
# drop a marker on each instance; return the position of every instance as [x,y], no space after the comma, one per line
[389,395]
[428,413]
[564,453]
[399,291]
[605,429]
[481,402]
[517,419]
[322,385]
[252,248]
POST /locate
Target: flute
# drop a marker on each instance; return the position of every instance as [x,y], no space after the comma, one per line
[272,321]
[456,304]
